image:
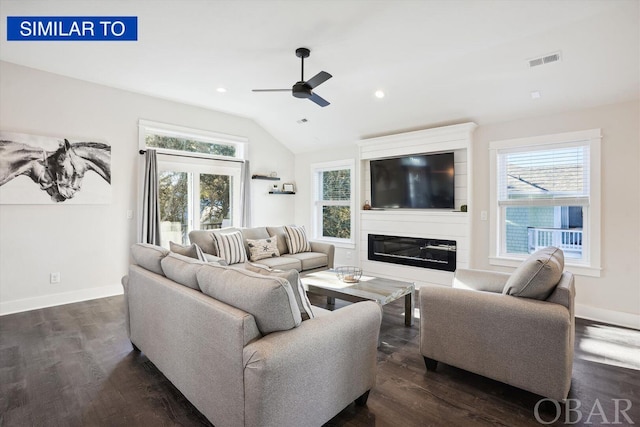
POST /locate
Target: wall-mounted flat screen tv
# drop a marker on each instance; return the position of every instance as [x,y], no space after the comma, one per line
[424,181]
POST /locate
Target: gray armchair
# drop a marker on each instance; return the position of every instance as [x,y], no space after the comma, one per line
[518,329]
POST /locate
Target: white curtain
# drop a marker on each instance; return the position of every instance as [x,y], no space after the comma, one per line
[150,206]
[245,195]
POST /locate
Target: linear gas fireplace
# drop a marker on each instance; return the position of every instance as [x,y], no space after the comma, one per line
[414,251]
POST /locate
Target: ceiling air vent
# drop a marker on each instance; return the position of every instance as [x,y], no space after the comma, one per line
[546,59]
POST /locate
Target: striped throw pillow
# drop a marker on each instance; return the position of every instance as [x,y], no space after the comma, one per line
[297,239]
[230,247]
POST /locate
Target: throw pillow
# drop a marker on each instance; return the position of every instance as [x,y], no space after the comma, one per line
[263,248]
[230,247]
[192,251]
[537,276]
[297,239]
[269,299]
[293,277]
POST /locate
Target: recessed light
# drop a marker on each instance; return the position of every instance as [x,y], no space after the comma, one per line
[535,94]
[221,90]
[379,94]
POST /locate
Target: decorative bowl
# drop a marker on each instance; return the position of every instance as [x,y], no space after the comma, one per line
[349,274]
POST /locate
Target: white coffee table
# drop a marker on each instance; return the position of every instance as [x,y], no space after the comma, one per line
[369,288]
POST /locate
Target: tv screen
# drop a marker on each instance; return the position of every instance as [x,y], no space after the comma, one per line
[413,182]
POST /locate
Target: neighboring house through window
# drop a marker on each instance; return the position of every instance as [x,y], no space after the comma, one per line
[333,209]
[545,192]
[198,178]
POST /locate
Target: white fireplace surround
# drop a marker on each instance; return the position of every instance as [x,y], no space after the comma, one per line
[423,223]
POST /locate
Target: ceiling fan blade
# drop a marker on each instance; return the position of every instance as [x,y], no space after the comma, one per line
[319,100]
[318,79]
[270,90]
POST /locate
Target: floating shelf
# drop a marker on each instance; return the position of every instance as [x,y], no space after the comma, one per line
[282,192]
[265,177]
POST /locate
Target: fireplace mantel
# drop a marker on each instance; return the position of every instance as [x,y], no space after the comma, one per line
[440,224]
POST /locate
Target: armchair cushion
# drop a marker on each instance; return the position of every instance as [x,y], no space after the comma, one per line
[537,276]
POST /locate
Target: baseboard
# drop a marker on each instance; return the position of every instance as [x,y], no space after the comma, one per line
[18,306]
[628,320]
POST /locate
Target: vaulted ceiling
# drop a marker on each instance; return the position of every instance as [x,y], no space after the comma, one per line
[438,62]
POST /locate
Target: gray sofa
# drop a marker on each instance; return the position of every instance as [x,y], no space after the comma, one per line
[515,328]
[320,258]
[244,357]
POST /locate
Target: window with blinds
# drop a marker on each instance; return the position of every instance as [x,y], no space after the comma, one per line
[543,195]
[333,213]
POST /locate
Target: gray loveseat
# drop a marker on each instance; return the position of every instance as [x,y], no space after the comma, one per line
[232,341]
[515,328]
[319,258]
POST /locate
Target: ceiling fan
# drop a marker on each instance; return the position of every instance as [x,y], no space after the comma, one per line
[302,89]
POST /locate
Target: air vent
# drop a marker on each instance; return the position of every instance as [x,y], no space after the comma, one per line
[301,121]
[546,59]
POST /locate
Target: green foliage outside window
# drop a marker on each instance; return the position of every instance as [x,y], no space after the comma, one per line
[336,220]
[189,145]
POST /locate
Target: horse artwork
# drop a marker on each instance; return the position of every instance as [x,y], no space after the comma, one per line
[43,170]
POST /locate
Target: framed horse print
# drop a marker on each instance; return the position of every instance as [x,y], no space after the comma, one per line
[48,170]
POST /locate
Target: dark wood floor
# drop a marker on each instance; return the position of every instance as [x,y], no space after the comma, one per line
[73,366]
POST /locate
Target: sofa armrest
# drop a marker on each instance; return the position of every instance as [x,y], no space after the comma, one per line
[480,280]
[318,368]
[520,341]
[325,248]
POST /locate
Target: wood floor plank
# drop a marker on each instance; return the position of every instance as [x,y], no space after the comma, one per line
[73,366]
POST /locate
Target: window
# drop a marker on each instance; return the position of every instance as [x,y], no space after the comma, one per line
[333,211]
[545,192]
[198,179]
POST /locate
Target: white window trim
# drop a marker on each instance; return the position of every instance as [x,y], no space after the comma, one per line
[147,126]
[184,159]
[592,265]
[315,206]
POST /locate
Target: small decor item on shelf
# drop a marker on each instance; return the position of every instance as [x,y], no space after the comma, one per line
[349,274]
[288,188]
[463,208]
[274,187]
[367,206]
[273,174]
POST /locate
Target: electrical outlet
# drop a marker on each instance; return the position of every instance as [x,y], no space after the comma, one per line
[129,214]
[54,278]
[483,215]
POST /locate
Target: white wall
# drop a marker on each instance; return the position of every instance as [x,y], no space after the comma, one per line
[615,296]
[89,244]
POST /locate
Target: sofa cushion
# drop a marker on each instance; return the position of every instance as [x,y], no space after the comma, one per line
[182,269]
[293,277]
[149,256]
[230,246]
[282,238]
[282,263]
[297,239]
[263,248]
[191,251]
[537,276]
[269,299]
[310,260]
[213,258]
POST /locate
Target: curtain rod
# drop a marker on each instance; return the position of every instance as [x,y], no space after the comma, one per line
[196,157]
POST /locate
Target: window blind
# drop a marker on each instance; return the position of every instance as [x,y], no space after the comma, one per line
[545,174]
